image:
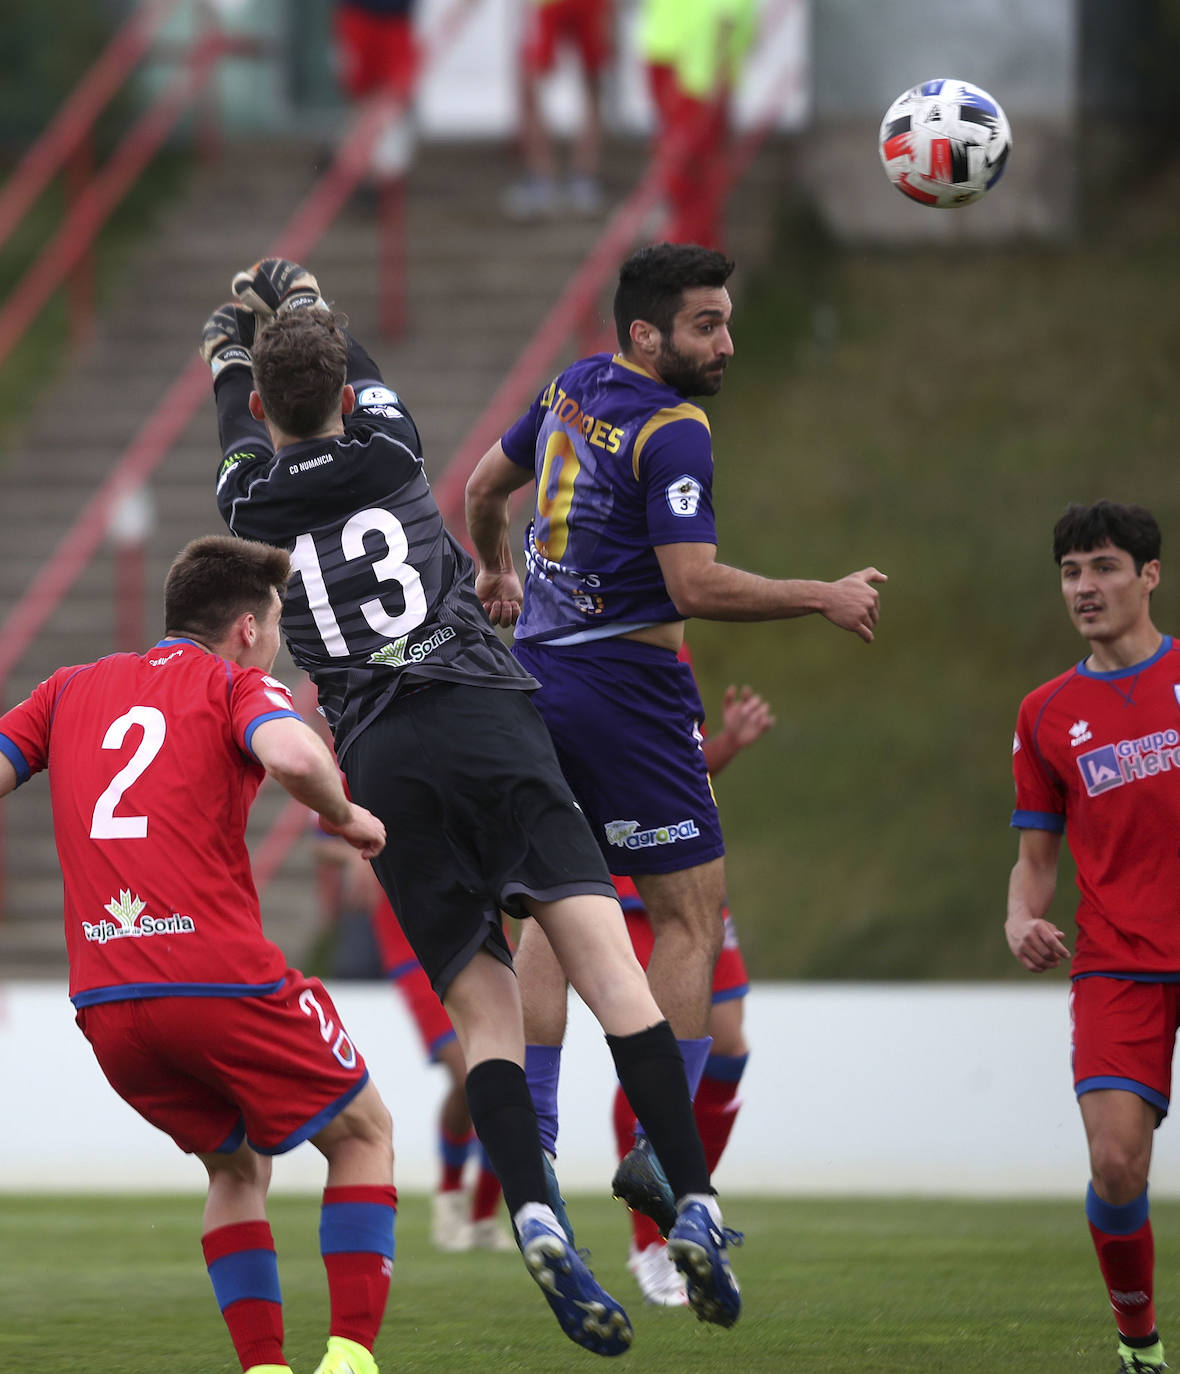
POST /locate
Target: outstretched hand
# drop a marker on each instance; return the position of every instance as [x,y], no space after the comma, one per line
[745,716]
[854,603]
[275,286]
[227,337]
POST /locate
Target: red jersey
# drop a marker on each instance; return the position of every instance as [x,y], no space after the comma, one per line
[1100,752]
[151,778]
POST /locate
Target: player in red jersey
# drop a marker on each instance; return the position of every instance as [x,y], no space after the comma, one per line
[1098,750]
[154,760]
[349,896]
[458,1222]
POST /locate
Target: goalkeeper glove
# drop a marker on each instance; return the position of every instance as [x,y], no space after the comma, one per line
[274,286]
[227,337]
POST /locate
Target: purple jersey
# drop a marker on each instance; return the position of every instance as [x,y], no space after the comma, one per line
[623,464]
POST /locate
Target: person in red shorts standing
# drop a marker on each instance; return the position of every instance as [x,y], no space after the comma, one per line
[358,916]
[1097,753]
[549,26]
[197,1022]
[458,1221]
[377,53]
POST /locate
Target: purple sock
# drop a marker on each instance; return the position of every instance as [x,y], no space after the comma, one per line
[542,1069]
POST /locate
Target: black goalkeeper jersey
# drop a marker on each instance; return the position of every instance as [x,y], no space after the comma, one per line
[381,596]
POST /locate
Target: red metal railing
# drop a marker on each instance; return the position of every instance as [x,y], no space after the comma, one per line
[95,205]
[74,121]
[164,425]
[311,219]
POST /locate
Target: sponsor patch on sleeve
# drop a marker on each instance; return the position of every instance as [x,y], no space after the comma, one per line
[684,496]
[379,400]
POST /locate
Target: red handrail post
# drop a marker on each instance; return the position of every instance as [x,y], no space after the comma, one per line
[208,123]
[391,228]
[80,282]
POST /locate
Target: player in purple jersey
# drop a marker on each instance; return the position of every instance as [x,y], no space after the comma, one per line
[436,733]
[1097,755]
[622,549]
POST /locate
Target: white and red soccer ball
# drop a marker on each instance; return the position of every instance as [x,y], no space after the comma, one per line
[945,143]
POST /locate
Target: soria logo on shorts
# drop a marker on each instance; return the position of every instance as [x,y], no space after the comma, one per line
[132,921]
[627,834]
[1130,760]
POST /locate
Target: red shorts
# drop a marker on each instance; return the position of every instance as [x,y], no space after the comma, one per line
[212,1071]
[376,51]
[1123,1035]
[581,23]
[730,978]
[401,965]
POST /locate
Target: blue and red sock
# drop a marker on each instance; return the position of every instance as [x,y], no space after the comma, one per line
[244,1272]
[356,1241]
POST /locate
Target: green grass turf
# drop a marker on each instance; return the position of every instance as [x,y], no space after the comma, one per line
[115,1285]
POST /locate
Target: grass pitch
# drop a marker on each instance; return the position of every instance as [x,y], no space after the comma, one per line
[115,1285]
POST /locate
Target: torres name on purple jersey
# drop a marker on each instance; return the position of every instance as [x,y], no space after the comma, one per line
[1102,750]
[623,464]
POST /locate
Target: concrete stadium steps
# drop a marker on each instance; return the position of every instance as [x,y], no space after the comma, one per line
[477,287]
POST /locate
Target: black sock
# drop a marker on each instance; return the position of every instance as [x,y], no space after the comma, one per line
[503,1116]
[1139,1342]
[651,1071]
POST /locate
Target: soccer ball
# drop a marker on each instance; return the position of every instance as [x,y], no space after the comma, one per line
[944,143]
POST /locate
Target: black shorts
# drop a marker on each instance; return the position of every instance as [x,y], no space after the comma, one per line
[477,816]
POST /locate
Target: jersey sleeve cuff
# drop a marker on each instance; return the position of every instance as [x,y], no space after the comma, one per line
[16,758]
[1038,820]
[261,720]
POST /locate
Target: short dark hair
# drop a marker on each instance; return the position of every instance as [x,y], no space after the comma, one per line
[652,283]
[300,368]
[217,578]
[1130,528]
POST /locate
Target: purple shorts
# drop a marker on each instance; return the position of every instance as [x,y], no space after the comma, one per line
[626,720]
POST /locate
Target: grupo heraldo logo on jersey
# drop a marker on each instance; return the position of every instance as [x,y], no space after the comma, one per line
[1129,760]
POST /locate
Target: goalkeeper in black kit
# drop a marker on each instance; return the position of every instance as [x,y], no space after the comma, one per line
[436,734]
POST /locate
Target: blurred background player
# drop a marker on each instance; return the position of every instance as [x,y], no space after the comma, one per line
[377,54]
[550,26]
[363,939]
[693,52]
[192,1013]
[745,718]
[458,1222]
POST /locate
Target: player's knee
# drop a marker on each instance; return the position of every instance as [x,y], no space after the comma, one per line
[1119,1168]
[245,1168]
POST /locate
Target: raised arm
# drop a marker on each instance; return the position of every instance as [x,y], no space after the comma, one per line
[701,587]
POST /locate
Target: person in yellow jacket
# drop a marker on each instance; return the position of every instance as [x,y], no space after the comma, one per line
[693,51]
